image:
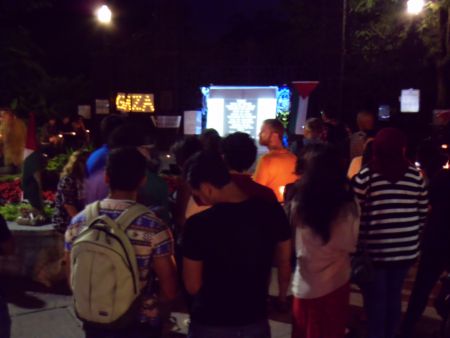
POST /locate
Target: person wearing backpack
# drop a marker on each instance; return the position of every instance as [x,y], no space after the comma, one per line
[116,249]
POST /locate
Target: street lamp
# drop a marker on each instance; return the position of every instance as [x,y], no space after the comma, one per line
[415,7]
[104,14]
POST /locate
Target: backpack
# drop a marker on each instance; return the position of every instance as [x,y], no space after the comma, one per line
[104,272]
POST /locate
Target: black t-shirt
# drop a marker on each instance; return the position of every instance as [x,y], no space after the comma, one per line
[236,243]
[437,230]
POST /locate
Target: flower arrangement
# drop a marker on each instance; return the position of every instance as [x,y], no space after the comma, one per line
[10,191]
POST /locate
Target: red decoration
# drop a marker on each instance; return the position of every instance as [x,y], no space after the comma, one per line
[305,88]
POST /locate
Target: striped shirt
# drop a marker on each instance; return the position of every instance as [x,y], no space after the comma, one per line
[150,238]
[393,214]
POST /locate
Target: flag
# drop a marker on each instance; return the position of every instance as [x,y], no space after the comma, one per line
[304,90]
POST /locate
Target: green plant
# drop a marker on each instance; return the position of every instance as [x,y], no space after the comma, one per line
[58,162]
[9,178]
[11,211]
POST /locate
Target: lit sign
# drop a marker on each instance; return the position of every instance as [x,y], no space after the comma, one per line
[240,116]
[244,109]
[410,101]
[136,103]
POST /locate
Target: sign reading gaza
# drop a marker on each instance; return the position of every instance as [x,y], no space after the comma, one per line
[135,103]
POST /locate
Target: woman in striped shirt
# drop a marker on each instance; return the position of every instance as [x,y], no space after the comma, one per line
[394,205]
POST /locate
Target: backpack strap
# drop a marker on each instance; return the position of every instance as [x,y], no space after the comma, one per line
[130,214]
[92,211]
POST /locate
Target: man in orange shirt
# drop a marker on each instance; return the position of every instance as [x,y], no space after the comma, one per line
[276,168]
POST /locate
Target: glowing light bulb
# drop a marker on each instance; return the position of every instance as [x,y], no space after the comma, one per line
[104,14]
[415,7]
[444,146]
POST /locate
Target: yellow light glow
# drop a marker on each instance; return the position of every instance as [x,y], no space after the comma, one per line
[104,14]
[281,190]
[446,166]
[139,103]
[415,7]
[444,146]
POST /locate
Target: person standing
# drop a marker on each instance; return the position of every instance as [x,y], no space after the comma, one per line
[150,239]
[228,252]
[69,199]
[435,253]
[13,135]
[239,152]
[275,169]
[394,203]
[325,215]
[96,163]
[366,126]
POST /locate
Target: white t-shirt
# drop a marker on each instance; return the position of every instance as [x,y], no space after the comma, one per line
[324,268]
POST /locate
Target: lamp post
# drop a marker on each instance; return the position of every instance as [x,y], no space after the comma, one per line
[103,64]
[342,59]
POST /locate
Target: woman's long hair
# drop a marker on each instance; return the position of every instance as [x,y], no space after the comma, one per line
[76,165]
[322,190]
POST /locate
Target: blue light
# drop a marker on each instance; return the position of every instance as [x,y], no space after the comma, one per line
[283,100]
[205,91]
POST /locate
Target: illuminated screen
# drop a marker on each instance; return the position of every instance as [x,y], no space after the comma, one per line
[244,109]
[136,103]
[410,101]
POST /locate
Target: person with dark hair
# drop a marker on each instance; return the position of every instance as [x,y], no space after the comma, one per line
[124,135]
[183,150]
[228,251]
[435,251]
[276,168]
[155,192]
[50,131]
[69,199]
[394,203]
[337,134]
[210,140]
[97,160]
[314,131]
[239,152]
[366,126]
[359,162]
[326,219]
[150,238]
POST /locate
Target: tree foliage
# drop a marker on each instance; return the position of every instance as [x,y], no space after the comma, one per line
[25,84]
[383,27]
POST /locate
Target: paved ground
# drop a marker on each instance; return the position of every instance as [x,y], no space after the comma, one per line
[41,313]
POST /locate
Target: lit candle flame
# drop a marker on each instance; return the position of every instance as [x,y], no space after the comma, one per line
[281,190]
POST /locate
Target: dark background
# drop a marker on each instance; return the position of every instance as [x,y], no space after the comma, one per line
[172,47]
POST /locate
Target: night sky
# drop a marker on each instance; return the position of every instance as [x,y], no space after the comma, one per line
[67,32]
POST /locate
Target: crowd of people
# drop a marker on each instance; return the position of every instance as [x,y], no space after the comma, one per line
[312,211]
